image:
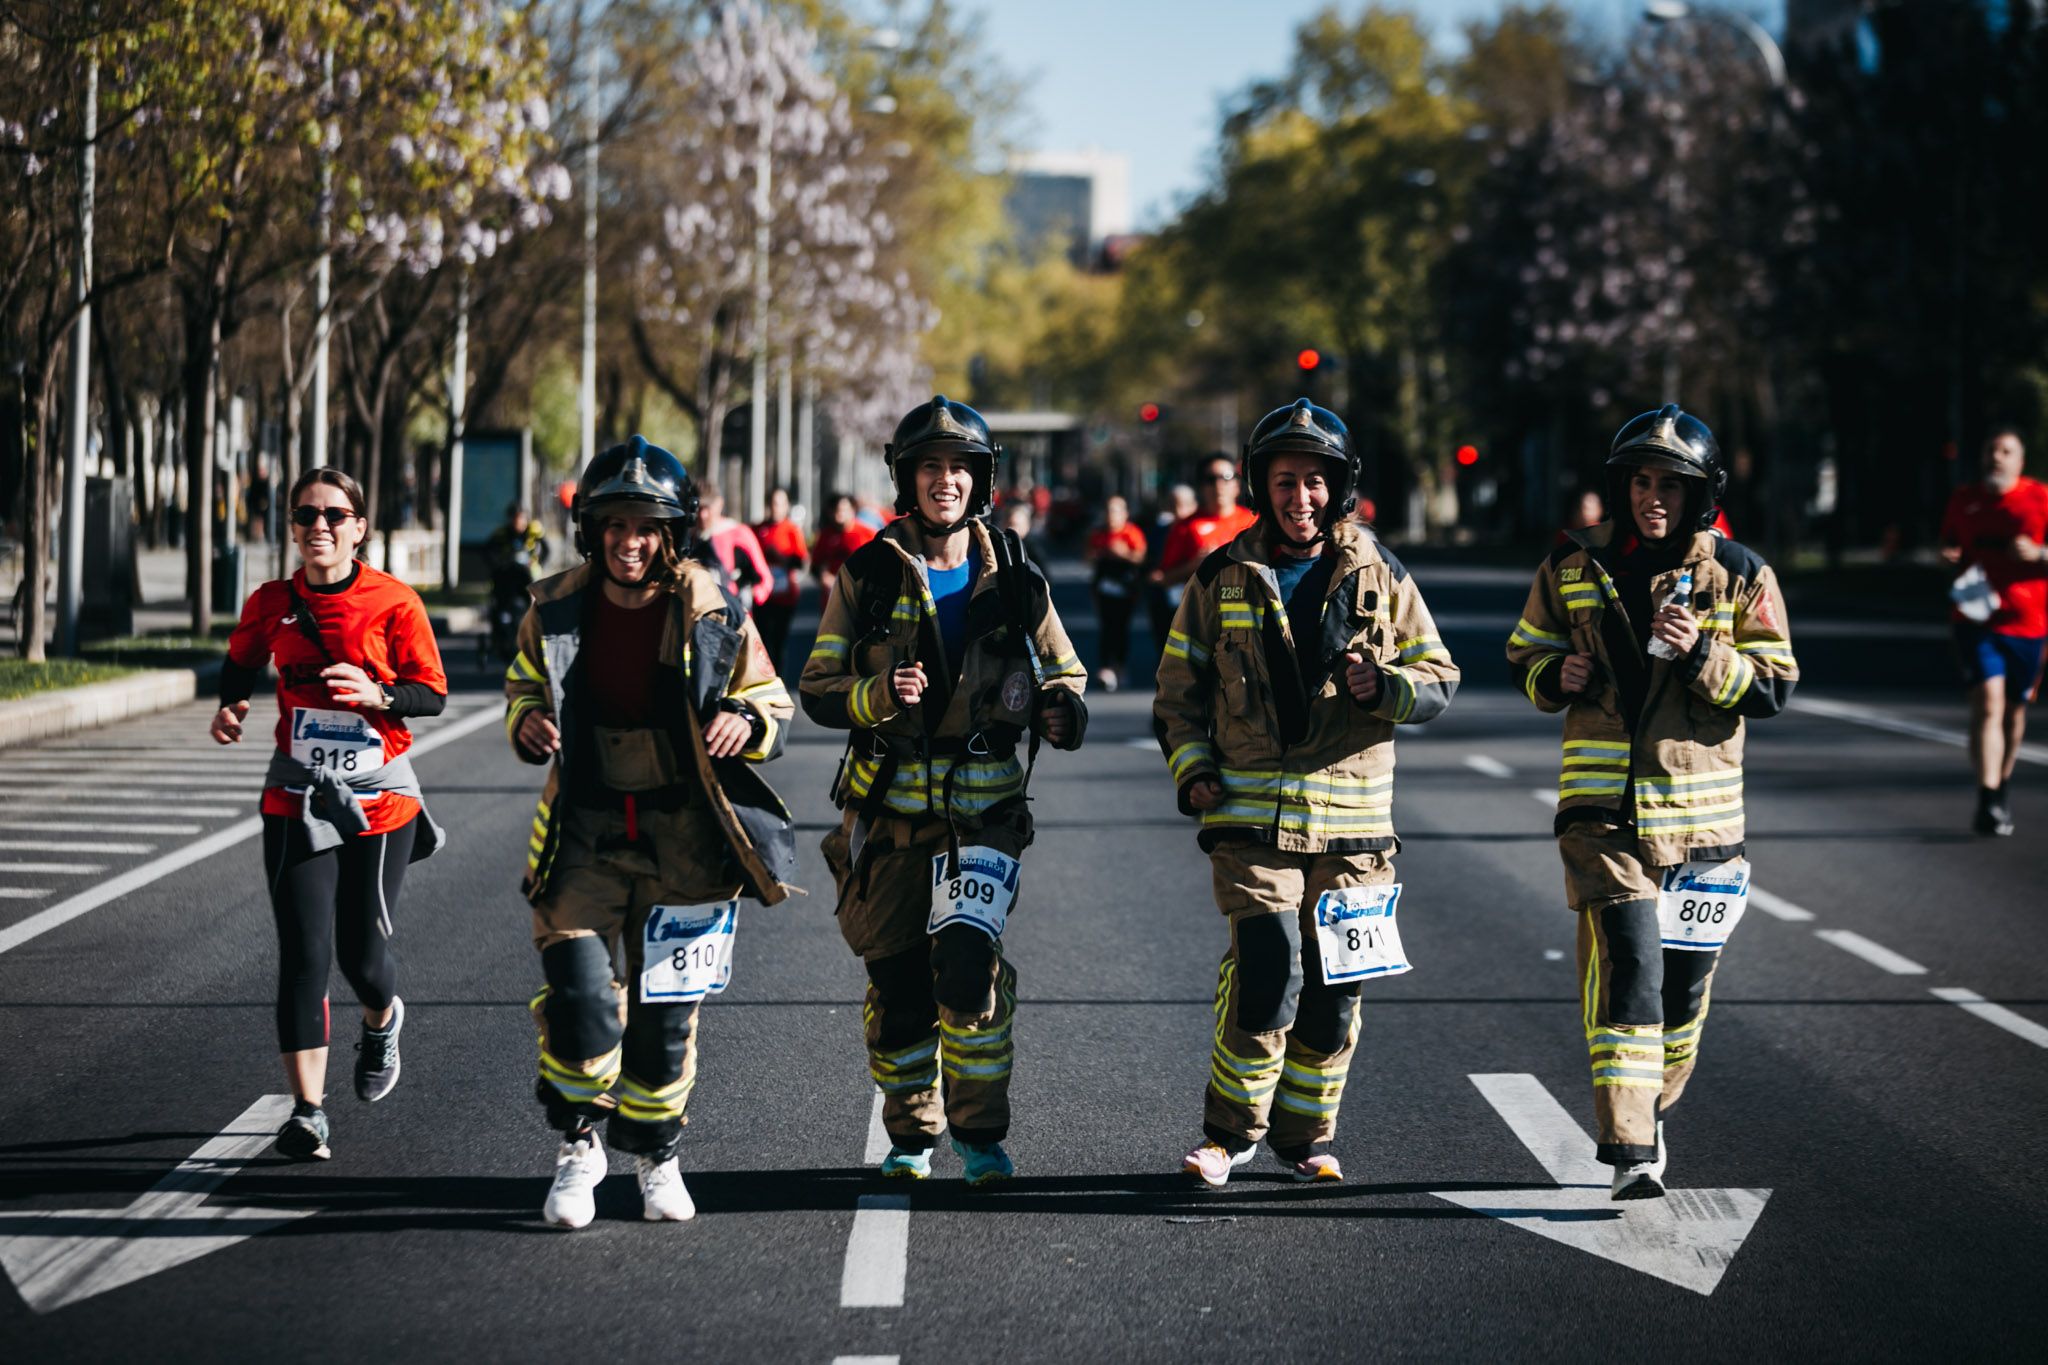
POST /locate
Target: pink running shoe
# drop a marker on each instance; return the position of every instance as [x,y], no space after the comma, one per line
[1321,1166]
[1211,1163]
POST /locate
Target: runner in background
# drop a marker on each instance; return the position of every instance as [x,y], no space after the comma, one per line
[1020,517]
[734,549]
[842,534]
[342,811]
[1216,522]
[1178,502]
[1116,549]
[1994,531]
[782,545]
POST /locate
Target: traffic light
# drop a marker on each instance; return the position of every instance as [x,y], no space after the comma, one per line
[1468,455]
[1308,361]
[1150,413]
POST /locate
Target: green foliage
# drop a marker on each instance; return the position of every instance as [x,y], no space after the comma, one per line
[27,678]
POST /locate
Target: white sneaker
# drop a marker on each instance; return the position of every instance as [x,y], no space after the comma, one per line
[579,1167]
[663,1196]
[1642,1179]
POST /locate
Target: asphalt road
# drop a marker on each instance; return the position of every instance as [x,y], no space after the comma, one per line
[1899,1135]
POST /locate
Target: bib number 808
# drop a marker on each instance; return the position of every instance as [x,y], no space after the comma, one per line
[1702,912]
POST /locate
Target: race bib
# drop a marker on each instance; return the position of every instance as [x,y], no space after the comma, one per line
[1973,594]
[1701,903]
[1356,931]
[981,894]
[688,952]
[344,741]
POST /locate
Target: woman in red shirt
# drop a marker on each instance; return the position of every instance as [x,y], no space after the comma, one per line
[342,813]
[1117,550]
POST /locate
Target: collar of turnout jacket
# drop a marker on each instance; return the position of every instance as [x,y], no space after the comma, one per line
[1302,765]
[710,641]
[953,755]
[1673,769]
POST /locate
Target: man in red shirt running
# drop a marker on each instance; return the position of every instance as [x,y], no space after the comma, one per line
[843,533]
[782,545]
[1999,525]
[1216,522]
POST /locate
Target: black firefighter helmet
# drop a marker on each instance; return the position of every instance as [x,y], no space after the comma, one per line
[639,480]
[1669,438]
[943,425]
[1302,428]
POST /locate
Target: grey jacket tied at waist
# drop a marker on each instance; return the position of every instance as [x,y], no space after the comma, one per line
[332,809]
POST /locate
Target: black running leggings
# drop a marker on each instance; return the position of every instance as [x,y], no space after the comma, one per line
[340,899]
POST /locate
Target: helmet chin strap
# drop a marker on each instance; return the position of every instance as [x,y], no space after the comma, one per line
[1280,537]
[936,531]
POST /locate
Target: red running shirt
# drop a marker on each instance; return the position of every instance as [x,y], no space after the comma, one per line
[1190,538]
[377,623]
[782,543]
[1982,524]
[833,547]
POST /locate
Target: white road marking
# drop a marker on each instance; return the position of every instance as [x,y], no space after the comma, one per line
[1151,744]
[1553,954]
[1877,719]
[878,1137]
[877,1253]
[1487,764]
[867,1360]
[113,784]
[122,797]
[1976,1004]
[65,911]
[13,802]
[66,846]
[112,826]
[1547,795]
[23,893]
[1778,906]
[161,1229]
[1687,1238]
[54,869]
[1876,954]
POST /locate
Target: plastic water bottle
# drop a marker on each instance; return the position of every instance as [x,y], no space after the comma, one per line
[1680,591]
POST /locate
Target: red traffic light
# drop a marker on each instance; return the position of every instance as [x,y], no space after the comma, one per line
[1148,412]
[1468,455]
[1309,359]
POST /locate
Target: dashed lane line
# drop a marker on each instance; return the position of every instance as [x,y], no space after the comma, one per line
[1876,954]
[121,826]
[1778,906]
[877,1253]
[111,782]
[53,869]
[1876,719]
[23,893]
[114,888]
[1994,1014]
[1488,765]
[867,1360]
[84,820]
[878,1136]
[68,846]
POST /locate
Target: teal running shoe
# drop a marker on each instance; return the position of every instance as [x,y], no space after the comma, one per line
[904,1164]
[985,1164]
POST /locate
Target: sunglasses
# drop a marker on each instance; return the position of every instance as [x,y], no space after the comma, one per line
[307,515]
[1219,478]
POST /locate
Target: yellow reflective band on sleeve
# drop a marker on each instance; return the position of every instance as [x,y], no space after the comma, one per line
[857,702]
[759,753]
[1180,646]
[1536,671]
[518,707]
[1721,620]
[1423,647]
[1402,694]
[1195,754]
[831,647]
[1741,673]
[772,690]
[1240,615]
[1537,638]
[521,669]
[1065,666]
[1772,652]
[1580,596]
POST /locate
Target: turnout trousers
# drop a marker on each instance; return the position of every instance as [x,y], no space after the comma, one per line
[1284,1037]
[603,1053]
[940,1007]
[1643,1005]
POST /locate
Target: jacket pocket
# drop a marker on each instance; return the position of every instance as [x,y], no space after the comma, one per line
[1244,720]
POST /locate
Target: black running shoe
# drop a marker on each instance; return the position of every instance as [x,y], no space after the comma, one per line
[377,1056]
[304,1135]
[1994,813]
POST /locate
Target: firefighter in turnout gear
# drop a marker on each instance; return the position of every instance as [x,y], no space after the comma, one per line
[645,688]
[1297,649]
[1657,638]
[940,651]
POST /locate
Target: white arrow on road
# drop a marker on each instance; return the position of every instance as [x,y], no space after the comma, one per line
[1687,1238]
[59,1256]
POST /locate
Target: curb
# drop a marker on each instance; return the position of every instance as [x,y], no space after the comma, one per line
[72,709]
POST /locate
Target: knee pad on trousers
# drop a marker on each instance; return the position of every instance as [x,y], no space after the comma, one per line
[1685,985]
[903,984]
[657,1037]
[1323,1022]
[1268,972]
[962,966]
[1635,956]
[582,1007]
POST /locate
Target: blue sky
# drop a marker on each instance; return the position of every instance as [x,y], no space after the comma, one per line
[1145,77]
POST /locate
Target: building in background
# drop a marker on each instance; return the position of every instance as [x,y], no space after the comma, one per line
[1081,200]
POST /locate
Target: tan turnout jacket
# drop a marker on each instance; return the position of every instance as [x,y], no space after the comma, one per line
[1303,766]
[1674,771]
